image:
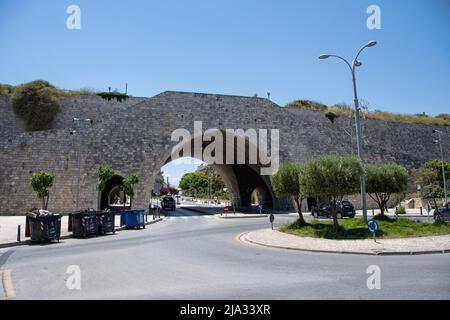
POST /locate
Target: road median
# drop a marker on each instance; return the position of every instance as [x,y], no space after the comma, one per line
[404,246]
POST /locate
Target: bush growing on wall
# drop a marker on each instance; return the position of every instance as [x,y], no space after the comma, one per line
[37,103]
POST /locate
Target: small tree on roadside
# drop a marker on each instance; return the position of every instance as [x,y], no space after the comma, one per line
[104,174]
[384,180]
[429,181]
[286,183]
[128,184]
[331,177]
[41,182]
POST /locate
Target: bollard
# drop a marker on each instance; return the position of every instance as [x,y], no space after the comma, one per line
[18,233]
[421,211]
[373,212]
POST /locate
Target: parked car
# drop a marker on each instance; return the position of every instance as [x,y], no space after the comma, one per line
[344,209]
[168,202]
[442,213]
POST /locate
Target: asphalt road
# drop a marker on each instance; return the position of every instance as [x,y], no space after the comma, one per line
[190,256]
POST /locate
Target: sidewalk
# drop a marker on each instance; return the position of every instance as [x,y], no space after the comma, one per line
[9,224]
[404,246]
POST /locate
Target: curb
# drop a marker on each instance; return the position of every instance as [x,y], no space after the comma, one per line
[69,236]
[230,216]
[241,237]
[198,210]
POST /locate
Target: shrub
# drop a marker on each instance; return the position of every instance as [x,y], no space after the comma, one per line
[307,104]
[400,210]
[37,103]
[6,89]
[331,116]
[113,95]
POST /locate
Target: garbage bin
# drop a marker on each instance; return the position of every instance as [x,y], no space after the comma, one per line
[106,221]
[43,227]
[132,218]
[84,223]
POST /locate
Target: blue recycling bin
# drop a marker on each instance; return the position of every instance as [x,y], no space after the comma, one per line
[132,218]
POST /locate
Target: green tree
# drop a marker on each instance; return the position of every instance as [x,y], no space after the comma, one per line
[217,184]
[128,184]
[384,180]
[331,177]
[196,183]
[104,174]
[37,103]
[41,182]
[286,183]
[429,181]
[436,165]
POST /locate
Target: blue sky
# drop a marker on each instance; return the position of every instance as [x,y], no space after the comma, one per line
[239,47]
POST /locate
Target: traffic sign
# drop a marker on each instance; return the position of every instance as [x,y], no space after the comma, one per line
[373,226]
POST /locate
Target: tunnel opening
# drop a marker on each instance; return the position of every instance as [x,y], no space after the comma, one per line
[113,197]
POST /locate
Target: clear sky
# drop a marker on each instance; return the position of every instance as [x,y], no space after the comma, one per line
[238,47]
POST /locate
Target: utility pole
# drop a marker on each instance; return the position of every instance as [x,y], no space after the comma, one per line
[79,124]
[359,135]
[444,180]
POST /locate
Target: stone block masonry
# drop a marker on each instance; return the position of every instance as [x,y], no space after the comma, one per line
[134,137]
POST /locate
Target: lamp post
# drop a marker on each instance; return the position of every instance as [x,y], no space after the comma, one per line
[80,126]
[439,141]
[359,138]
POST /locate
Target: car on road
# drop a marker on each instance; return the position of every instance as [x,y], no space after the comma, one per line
[442,213]
[168,202]
[344,209]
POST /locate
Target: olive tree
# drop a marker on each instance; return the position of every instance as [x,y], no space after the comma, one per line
[331,177]
[41,182]
[286,183]
[384,180]
[429,181]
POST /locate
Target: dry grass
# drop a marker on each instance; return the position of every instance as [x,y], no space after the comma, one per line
[342,110]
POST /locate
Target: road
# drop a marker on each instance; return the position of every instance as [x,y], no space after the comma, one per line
[191,256]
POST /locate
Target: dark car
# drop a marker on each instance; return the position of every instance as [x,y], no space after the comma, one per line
[168,202]
[344,209]
[442,213]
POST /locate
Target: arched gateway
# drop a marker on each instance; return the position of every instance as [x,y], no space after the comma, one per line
[136,136]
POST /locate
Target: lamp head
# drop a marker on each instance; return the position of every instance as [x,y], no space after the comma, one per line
[324,56]
[371,43]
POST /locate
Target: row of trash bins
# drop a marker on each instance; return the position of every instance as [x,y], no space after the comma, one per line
[44,226]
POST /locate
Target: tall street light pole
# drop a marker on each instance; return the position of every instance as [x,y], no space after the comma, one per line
[80,128]
[444,180]
[359,136]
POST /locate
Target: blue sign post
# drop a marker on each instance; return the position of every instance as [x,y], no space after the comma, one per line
[373,228]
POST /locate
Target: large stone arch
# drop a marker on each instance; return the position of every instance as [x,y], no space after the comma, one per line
[240,178]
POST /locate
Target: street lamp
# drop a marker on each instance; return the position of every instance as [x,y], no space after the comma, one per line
[80,127]
[439,141]
[356,63]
